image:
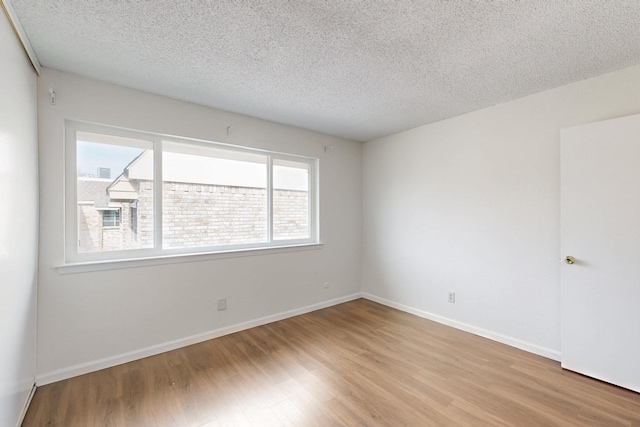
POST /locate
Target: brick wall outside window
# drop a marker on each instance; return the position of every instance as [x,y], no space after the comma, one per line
[196,215]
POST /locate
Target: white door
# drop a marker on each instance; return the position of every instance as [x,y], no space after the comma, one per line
[600,228]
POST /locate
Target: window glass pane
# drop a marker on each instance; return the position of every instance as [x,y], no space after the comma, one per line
[212,196]
[114,193]
[290,200]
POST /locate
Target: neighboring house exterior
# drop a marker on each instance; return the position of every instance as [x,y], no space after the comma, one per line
[220,201]
[100,219]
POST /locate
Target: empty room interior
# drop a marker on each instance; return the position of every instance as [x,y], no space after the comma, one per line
[270,212]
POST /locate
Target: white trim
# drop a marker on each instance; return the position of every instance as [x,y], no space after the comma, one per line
[115,264]
[108,362]
[157,195]
[504,339]
[22,35]
[314,196]
[26,405]
[269,198]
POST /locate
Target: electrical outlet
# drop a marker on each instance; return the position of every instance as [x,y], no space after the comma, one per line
[452,297]
[222,304]
[326,285]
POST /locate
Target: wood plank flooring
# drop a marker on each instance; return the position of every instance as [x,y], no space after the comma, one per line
[355,364]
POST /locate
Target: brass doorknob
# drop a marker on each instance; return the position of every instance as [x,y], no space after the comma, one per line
[570,260]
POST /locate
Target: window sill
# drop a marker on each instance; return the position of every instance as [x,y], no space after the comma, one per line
[83,267]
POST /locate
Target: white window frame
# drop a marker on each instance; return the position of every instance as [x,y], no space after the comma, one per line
[73,257]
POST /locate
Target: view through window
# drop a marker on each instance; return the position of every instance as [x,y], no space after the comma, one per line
[105,194]
[210,195]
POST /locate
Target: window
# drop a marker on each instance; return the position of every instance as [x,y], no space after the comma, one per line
[213,196]
[290,197]
[111,218]
[137,194]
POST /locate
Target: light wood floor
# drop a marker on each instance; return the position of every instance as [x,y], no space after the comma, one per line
[358,363]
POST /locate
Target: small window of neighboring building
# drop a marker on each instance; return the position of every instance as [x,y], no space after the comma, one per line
[111,218]
[156,195]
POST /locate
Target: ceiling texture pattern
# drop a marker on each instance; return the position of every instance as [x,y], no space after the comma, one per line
[359,69]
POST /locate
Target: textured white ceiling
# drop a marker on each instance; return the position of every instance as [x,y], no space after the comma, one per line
[356,69]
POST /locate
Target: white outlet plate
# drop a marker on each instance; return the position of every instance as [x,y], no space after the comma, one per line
[452,297]
[222,304]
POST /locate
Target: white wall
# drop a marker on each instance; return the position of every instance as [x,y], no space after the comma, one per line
[472,205]
[18,225]
[95,319]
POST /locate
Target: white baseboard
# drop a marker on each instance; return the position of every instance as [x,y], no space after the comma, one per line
[504,339]
[108,362]
[26,405]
